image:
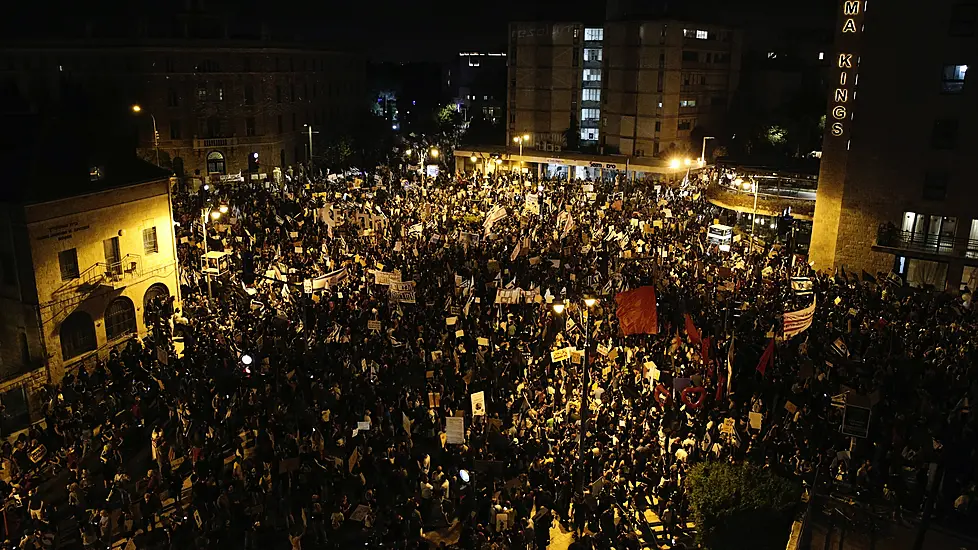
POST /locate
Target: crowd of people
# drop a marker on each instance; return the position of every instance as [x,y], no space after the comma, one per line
[383,365]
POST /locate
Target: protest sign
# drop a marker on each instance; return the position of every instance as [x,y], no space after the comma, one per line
[478,403]
[373,325]
[402,292]
[755,420]
[455,430]
[560,355]
[728,426]
[360,513]
[855,421]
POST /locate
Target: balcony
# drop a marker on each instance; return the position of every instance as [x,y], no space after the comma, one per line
[114,275]
[892,240]
[210,143]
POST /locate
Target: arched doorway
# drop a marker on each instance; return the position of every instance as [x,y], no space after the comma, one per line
[77,334]
[120,318]
[215,163]
[154,292]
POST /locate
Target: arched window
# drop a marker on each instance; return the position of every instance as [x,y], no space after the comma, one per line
[215,163]
[120,318]
[77,335]
[155,291]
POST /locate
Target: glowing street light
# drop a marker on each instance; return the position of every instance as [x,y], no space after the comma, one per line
[520,140]
[674,163]
[156,135]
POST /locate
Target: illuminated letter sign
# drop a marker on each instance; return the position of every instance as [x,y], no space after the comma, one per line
[851,20]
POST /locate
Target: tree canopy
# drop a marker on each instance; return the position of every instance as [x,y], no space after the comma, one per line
[738,506]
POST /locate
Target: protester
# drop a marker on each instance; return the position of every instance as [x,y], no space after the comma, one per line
[309,397]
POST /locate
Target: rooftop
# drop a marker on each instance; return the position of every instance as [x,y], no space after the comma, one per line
[43,163]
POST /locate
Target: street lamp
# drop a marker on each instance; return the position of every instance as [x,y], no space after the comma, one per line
[520,140]
[215,214]
[674,164]
[703,151]
[558,308]
[311,132]
[156,135]
[753,218]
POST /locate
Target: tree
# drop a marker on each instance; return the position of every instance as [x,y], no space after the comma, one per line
[740,506]
[338,153]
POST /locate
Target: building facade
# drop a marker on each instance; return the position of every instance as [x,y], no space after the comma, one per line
[77,272]
[893,199]
[635,88]
[666,78]
[213,105]
[479,85]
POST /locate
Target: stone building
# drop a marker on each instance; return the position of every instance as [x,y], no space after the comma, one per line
[215,88]
[893,189]
[85,244]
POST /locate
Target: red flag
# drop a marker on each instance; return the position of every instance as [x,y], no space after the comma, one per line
[692,332]
[637,313]
[767,358]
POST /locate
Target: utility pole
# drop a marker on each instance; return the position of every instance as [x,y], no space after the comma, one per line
[311,132]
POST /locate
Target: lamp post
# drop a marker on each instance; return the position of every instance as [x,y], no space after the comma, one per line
[216,215]
[520,140]
[753,216]
[703,152]
[311,132]
[156,135]
[585,387]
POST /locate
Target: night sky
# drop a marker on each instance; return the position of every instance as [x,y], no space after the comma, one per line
[386,30]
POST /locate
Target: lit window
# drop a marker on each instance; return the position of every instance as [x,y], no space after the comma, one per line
[594,34]
[150,243]
[953,78]
[702,35]
[687,103]
[201,92]
[592,75]
[589,134]
[590,114]
[591,94]
[592,54]
[473,62]
[821,56]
